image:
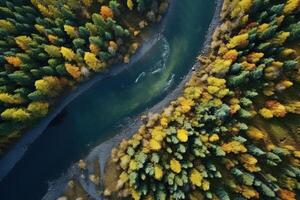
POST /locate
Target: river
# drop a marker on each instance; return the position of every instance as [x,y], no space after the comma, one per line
[92,117]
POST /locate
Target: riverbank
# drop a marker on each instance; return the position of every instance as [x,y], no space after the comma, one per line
[102,152]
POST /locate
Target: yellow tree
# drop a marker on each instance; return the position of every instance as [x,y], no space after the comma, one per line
[49,85]
[16,114]
[7,25]
[242,6]
[175,166]
[42,8]
[71,31]
[11,99]
[196,178]
[130,4]
[40,28]
[38,109]
[92,61]
[280,38]
[234,147]
[158,172]
[182,135]
[291,6]
[67,53]
[23,42]
[238,41]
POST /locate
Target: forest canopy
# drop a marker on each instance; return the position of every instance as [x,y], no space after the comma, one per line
[234,131]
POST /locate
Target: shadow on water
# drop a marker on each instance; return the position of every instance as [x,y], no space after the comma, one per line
[59,118]
[90,118]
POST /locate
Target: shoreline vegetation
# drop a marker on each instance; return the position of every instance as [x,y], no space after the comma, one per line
[234,131]
[63,44]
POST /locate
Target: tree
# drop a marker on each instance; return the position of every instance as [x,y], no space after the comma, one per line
[158,172]
[13,60]
[71,31]
[79,43]
[98,20]
[277,9]
[269,33]
[20,77]
[294,30]
[114,5]
[255,133]
[234,147]
[73,70]
[15,114]
[221,66]
[231,55]
[255,57]
[119,31]
[175,166]
[43,9]
[280,38]
[290,6]
[154,145]
[92,28]
[196,177]
[286,194]
[239,79]
[238,41]
[83,32]
[38,109]
[52,38]
[277,109]
[130,4]
[96,40]
[49,85]
[23,42]
[36,96]
[266,113]
[182,135]
[92,61]
[10,99]
[106,12]
[68,54]
[52,51]
[7,26]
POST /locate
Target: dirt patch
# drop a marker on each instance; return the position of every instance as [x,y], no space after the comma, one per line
[75,191]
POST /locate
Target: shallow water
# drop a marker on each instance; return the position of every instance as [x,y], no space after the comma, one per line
[90,118]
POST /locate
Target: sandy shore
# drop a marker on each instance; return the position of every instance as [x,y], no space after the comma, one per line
[101,153]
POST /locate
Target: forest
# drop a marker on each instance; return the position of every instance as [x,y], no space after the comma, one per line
[227,128]
[234,132]
[48,47]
